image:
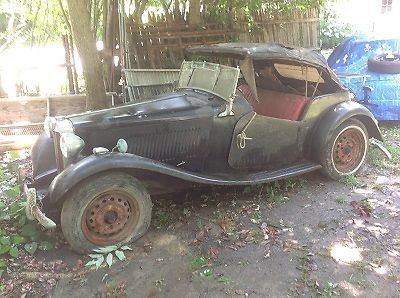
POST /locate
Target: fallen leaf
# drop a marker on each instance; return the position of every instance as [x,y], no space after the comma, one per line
[152,293]
[213,252]
[362,210]
[200,235]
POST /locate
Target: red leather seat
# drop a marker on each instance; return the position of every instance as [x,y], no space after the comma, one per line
[276,104]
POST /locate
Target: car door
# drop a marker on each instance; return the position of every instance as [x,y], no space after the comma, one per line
[264,142]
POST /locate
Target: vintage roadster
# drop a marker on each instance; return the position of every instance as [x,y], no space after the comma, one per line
[277,112]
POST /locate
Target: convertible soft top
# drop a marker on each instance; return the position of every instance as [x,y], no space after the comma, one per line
[262,51]
[250,54]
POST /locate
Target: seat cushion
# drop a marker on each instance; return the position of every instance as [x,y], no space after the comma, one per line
[276,104]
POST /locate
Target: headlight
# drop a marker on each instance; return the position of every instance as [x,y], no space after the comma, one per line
[49,124]
[64,126]
[70,144]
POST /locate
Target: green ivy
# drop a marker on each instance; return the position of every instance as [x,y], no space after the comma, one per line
[333,31]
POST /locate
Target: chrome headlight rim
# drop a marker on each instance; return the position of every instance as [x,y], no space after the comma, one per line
[70,144]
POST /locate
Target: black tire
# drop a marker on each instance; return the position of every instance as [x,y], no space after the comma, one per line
[383,64]
[107,209]
[345,152]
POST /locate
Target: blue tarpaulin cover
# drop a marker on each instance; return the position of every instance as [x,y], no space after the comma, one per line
[349,61]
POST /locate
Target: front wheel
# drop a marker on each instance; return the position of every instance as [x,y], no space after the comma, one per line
[108,209]
[345,152]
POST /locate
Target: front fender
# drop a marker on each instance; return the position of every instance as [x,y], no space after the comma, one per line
[95,164]
[336,116]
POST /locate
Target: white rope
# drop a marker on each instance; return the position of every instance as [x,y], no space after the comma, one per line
[241,137]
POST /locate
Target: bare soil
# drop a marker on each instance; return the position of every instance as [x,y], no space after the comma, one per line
[308,236]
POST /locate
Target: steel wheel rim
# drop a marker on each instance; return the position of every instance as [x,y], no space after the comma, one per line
[110,217]
[349,150]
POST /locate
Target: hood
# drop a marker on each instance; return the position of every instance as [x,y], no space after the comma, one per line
[166,105]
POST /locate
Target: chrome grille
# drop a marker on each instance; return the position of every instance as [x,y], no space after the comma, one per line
[167,146]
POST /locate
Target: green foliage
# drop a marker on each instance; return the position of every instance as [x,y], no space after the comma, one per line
[329,290]
[350,180]
[162,219]
[221,10]
[198,263]
[17,234]
[333,31]
[34,22]
[275,192]
[106,254]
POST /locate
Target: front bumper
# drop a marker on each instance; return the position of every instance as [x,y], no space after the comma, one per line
[33,211]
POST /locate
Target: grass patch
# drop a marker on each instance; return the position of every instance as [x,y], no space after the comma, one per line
[377,159]
[329,290]
[198,263]
[361,267]
[391,135]
[275,192]
[163,219]
[341,200]
[350,180]
[202,267]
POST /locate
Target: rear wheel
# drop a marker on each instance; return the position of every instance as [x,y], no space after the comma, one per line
[109,209]
[345,152]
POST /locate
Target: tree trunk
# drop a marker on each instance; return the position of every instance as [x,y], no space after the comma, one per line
[86,45]
[194,12]
[110,42]
[177,10]
[140,7]
[3,93]
[67,54]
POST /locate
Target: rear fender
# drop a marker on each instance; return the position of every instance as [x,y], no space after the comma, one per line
[336,116]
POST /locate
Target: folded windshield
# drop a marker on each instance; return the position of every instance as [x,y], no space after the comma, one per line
[217,79]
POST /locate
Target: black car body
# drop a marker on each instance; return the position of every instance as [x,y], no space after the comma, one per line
[280,112]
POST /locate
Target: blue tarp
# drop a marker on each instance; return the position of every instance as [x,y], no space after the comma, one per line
[350,59]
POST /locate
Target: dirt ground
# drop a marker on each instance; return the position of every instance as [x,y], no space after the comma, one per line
[308,236]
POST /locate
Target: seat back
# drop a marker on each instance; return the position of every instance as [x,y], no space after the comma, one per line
[276,104]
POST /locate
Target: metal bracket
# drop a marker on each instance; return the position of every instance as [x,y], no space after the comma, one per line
[228,110]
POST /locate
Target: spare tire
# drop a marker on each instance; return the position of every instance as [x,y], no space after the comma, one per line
[385,63]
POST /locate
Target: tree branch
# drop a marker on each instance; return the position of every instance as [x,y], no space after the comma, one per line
[66,18]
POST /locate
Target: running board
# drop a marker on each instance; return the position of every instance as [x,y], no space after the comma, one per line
[251,178]
[94,164]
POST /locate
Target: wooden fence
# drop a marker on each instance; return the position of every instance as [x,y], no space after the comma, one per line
[161,42]
[21,118]
[156,46]
[298,28]
[27,110]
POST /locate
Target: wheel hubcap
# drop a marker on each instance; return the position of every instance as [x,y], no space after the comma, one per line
[110,218]
[349,150]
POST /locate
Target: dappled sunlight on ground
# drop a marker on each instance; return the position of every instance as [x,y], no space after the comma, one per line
[345,254]
[171,243]
[350,288]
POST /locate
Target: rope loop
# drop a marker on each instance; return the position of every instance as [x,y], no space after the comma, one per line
[242,137]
